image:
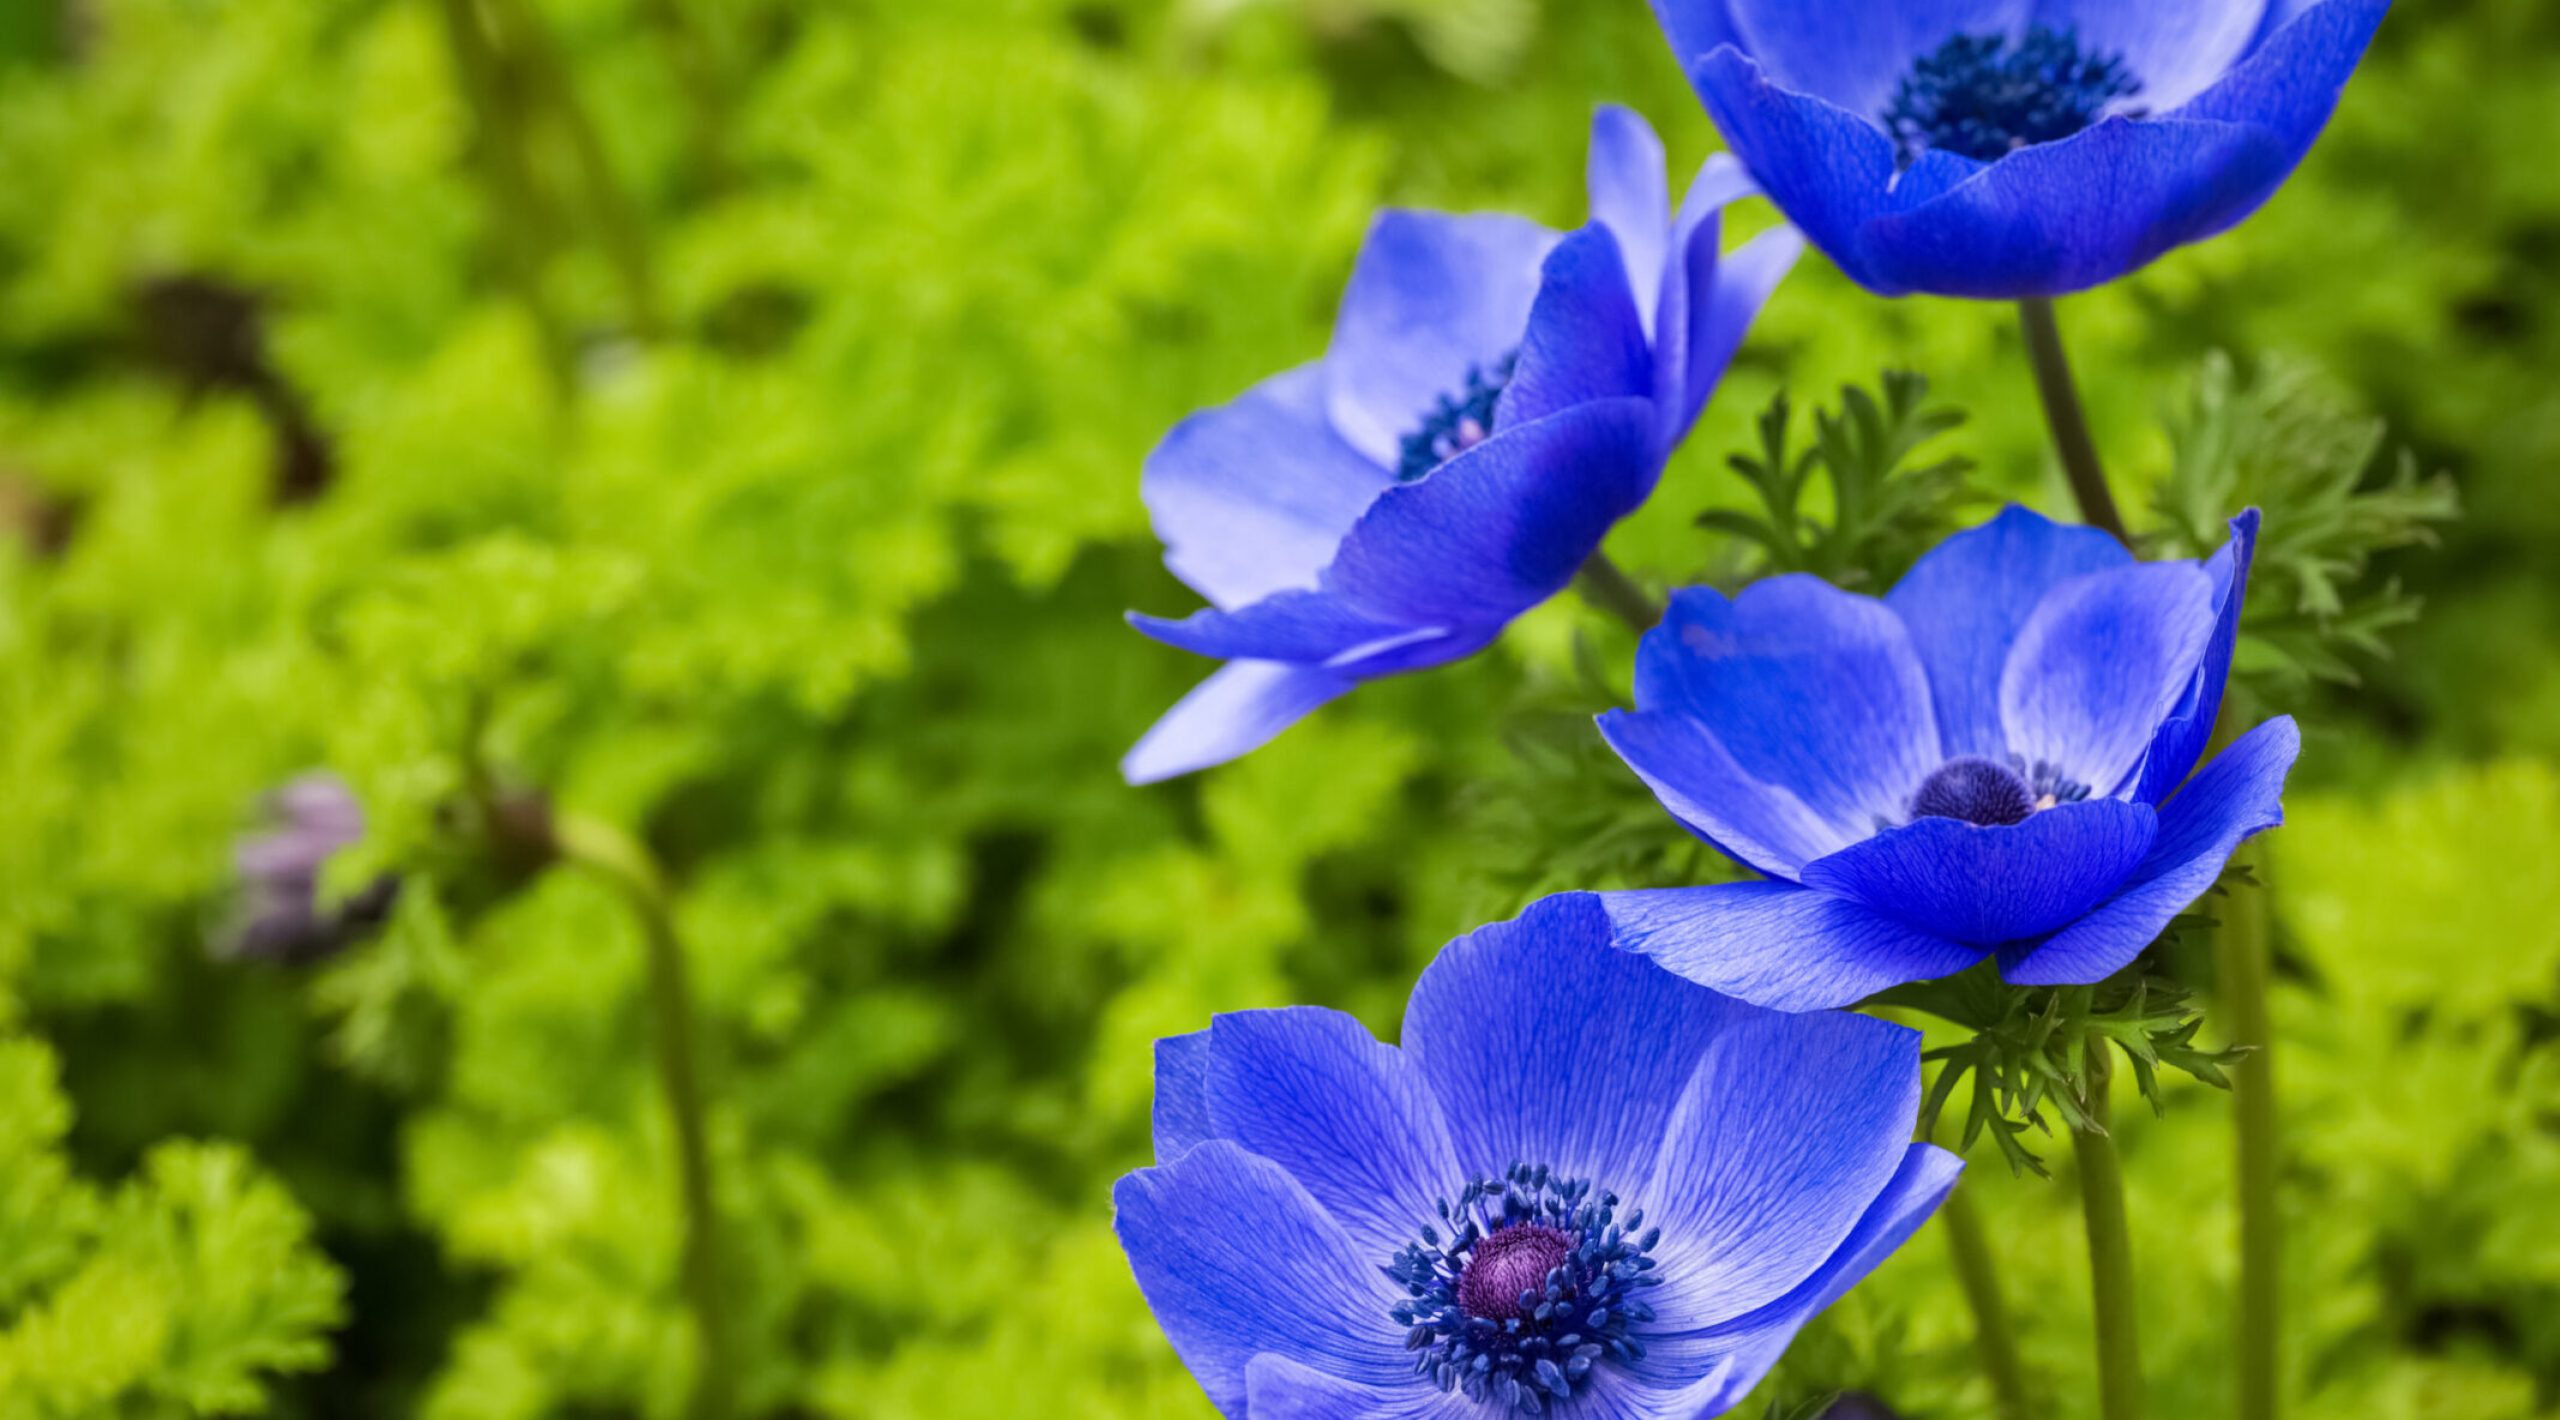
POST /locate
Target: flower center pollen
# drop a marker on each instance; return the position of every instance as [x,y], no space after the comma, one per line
[1535,1283]
[1986,95]
[1457,422]
[1986,792]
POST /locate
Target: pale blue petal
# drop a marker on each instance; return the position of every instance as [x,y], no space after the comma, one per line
[2099,665]
[1432,296]
[1288,626]
[1777,945]
[1236,710]
[2182,738]
[2175,48]
[1698,781]
[1854,52]
[1630,196]
[1252,497]
[1278,1388]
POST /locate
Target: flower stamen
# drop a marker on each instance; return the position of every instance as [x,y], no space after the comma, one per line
[1457,422]
[1985,96]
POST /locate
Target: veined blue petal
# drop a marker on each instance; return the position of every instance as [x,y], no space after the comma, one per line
[1778,945]
[1431,297]
[1252,497]
[1630,196]
[2182,738]
[1986,885]
[2174,47]
[1831,171]
[1216,1236]
[1853,52]
[1542,1043]
[1698,782]
[1278,1388]
[2061,217]
[1806,686]
[2291,80]
[2240,793]
[2099,665]
[1785,1136]
[1708,304]
[1181,1114]
[1237,709]
[1584,340]
[1349,1118]
[1503,526]
[1287,626]
[1964,602]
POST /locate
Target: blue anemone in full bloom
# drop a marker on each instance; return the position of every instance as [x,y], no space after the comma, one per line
[1993,758]
[2015,148]
[1495,397]
[1582,1187]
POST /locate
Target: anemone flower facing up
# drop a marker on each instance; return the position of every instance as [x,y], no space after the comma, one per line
[2016,148]
[1993,758]
[1494,399]
[1583,1187]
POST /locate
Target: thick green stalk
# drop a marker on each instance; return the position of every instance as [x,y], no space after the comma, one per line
[2063,415]
[623,862]
[1606,586]
[2241,949]
[2110,1250]
[1992,1334]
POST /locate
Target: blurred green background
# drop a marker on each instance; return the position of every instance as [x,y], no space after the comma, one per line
[725,415]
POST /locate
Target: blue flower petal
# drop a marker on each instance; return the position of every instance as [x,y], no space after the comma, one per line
[1630,196]
[1964,602]
[1585,341]
[1698,781]
[2062,217]
[1349,1118]
[1786,1134]
[2100,664]
[1733,1357]
[1432,296]
[1277,1388]
[1287,626]
[2175,48]
[1503,526]
[1544,1044]
[1779,946]
[2240,793]
[1807,687]
[1252,497]
[2182,737]
[1237,1260]
[1709,298]
[1854,52]
[1987,885]
[1181,1114]
[1237,709]
[2291,81]
[1829,170]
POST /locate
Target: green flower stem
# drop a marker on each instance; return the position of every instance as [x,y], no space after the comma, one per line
[623,862]
[2241,949]
[1605,585]
[2110,1249]
[2063,415]
[1992,1334]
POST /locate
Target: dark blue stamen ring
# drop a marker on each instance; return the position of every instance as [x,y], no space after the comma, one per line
[1985,96]
[1456,423]
[1536,1283]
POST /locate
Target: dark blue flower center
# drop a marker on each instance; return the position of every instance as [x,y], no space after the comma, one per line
[1990,793]
[1457,422]
[1987,95]
[1535,1283]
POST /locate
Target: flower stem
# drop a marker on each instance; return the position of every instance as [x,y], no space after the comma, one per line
[2110,1249]
[1980,1274]
[623,862]
[1604,585]
[2241,947]
[2063,415]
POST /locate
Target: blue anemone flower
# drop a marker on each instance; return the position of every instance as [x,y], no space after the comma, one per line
[1494,399]
[2015,148]
[1583,1187]
[1992,758]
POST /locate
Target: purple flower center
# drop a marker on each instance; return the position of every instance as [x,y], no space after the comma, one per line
[1990,793]
[1536,1284]
[1459,421]
[1508,1271]
[1986,96]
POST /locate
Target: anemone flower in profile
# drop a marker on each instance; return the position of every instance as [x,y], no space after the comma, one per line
[1495,398]
[2016,148]
[1991,760]
[1582,1187]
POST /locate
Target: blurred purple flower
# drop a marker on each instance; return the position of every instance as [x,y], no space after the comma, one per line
[280,916]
